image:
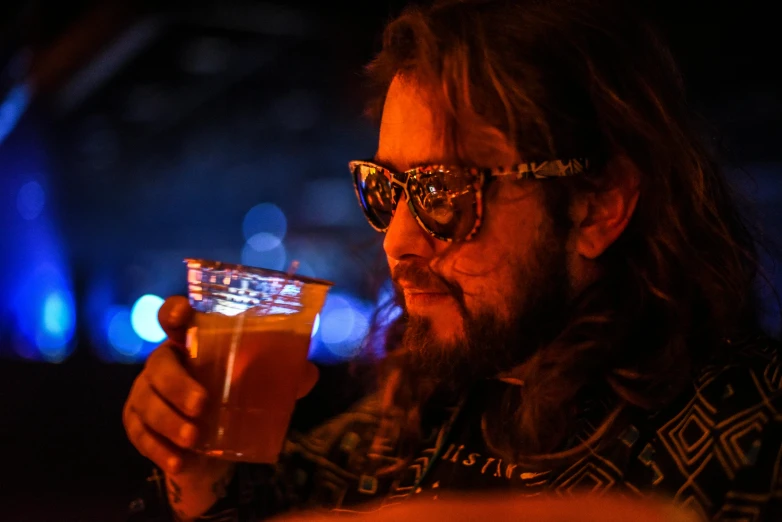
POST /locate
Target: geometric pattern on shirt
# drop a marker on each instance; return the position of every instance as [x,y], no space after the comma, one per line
[712,438]
[593,474]
[718,451]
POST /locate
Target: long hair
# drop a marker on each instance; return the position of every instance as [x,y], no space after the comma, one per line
[575,78]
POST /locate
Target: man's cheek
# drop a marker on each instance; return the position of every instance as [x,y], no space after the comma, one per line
[479,260]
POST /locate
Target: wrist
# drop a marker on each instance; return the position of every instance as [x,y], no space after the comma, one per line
[191,494]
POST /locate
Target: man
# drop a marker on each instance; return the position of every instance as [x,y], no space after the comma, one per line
[577,288]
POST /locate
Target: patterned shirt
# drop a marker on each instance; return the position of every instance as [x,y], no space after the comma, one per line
[716,450]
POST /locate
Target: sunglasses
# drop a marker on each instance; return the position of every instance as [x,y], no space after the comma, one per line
[447,202]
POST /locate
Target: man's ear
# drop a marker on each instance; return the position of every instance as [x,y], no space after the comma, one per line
[602,215]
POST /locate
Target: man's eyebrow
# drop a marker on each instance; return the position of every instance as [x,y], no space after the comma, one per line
[399,167]
[380,160]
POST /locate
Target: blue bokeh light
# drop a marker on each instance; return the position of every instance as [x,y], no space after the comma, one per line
[57,318]
[12,109]
[305,269]
[273,259]
[337,325]
[100,297]
[112,325]
[30,200]
[264,241]
[56,327]
[143,318]
[265,218]
[45,314]
[343,325]
[120,333]
[38,303]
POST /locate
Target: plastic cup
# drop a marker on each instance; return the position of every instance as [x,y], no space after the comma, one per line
[248,346]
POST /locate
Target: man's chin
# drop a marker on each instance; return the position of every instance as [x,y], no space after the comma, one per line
[435,351]
[445,321]
[438,334]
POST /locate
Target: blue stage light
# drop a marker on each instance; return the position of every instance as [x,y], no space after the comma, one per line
[30,200]
[122,337]
[57,317]
[264,241]
[265,218]
[12,108]
[344,324]
[273,259]
[45,314]
[56,326]
[143,318]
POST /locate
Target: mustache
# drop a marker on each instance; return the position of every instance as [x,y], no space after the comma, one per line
[424,278]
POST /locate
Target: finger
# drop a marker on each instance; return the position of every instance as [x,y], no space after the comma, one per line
[308,379]
[158,416]
[152,446]
[171,381]
[174,317]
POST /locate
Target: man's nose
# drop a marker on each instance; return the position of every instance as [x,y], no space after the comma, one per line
[405,237]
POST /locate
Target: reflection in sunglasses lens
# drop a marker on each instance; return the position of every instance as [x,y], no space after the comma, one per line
[442,200]
[375,195]
[445,203]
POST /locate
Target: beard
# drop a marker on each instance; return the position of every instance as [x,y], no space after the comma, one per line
[492,342]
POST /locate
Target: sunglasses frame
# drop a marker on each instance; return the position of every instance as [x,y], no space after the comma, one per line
[400,182]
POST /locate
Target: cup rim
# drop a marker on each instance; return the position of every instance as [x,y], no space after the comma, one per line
[266,272]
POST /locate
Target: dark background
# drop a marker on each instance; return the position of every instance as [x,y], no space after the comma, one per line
[133,134]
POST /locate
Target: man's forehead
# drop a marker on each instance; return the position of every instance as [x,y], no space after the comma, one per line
[408,134]
[412,135]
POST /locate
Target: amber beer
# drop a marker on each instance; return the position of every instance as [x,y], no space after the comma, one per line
[251,368]
[249,357]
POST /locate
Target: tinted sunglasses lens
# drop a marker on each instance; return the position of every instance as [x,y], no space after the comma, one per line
[445,202]
[374,194]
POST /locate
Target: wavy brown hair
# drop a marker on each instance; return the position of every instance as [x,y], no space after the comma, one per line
[574,78]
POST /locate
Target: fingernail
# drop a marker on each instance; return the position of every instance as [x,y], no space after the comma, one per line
[187,434]
[173,464]
[194,403]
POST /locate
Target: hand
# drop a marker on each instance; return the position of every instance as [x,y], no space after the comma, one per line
[160,418]
[164,399]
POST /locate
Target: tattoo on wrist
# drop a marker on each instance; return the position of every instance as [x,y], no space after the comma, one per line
[174,492]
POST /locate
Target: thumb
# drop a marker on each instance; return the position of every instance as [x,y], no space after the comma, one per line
[308,379]
[174,317]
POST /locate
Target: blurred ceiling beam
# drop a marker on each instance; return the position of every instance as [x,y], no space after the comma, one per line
[90,52]
[108,62]
[260,18]
[35,70]
[54,66]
